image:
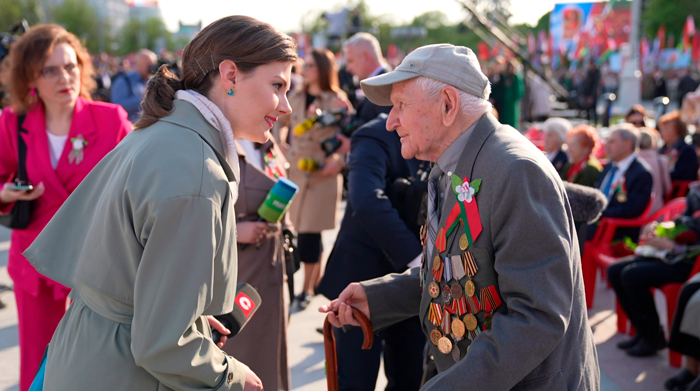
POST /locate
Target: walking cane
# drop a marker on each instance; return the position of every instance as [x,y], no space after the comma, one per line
[329,346]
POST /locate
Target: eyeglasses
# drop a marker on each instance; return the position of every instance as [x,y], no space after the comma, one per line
[53,73]
[639,124]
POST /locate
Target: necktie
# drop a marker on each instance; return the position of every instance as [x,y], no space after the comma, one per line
[433,211]
[608,183]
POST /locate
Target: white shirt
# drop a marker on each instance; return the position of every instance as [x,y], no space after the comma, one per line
[622,167]
[552,155]
[56,144]
[253,155]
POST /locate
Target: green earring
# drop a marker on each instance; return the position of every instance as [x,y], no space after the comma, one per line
[230,92]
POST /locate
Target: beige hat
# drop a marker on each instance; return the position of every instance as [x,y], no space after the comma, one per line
[454,65]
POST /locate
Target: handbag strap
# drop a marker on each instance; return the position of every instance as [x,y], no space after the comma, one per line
[329,346]
[21,150]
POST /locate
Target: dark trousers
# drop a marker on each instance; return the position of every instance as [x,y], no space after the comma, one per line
[632,281]
[685,344]
[402,344]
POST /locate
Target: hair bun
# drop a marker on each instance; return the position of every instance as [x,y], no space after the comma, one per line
[158,100]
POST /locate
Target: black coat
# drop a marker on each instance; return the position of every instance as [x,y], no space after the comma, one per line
[373,240]
[683,161]
[559,161]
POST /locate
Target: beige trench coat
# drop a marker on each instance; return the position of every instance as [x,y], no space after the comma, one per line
[262,344]
[314,208]
[147,242]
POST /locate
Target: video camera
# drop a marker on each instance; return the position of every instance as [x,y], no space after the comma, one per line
[12,35]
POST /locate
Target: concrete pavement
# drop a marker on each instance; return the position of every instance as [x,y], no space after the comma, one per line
[306,357]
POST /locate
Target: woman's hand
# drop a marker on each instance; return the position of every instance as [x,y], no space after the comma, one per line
[332,166]
[252,381]
[250,232]
[8,196]
[213,322]
[661,243]
[354,295]
[649,231]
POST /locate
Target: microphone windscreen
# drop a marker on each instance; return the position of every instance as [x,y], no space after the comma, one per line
[278,200]
[247,302]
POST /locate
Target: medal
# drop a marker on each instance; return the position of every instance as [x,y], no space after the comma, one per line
[463,242]
[621,197]
[488,321]
[434,290]
[436,263]
[444,345]
[457,328]
[470,322]
[456,291]
[446,294]
[435,336]
[469,288]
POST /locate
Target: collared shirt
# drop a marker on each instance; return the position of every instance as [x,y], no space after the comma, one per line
[376,71]
[552,155]
[622,167]
[448,162]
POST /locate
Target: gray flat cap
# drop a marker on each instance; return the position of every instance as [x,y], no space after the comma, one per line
[454,65]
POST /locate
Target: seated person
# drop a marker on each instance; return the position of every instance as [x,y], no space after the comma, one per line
[683,162]
[659,167]
[625,181]
[583,167]
[636,116]
[555,130]
[632,279]
[685,335]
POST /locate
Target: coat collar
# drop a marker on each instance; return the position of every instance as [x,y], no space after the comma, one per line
[186,115]
[484,128]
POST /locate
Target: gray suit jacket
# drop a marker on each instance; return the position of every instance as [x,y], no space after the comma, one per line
[540,338]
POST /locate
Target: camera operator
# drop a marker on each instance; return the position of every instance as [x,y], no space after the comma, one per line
[374,240]
[128,88]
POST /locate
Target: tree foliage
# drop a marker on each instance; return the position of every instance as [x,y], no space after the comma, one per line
[671,14]
[12,11]
[80,18]
[150,33]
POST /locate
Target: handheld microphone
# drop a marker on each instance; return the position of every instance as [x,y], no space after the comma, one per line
[245,305]
[276,202]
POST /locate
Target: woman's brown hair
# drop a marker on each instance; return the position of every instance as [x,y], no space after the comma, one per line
[28,56]
[674,119]
[246,41]
[327,74]
[636,109]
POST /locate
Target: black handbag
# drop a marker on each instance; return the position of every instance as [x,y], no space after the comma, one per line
[18,218]
[409,196]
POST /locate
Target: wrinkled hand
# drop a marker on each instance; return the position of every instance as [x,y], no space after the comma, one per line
[8,196]
[649,231]
[213,322]
[661,243]
[354,295]
[251,231]
[252,381]
[332,166]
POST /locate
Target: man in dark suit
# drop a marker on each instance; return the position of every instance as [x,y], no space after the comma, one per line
[363,59]
[373,241]
[626,181]
[500,290]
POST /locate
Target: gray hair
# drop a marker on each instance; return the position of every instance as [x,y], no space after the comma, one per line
[647,139]
[470,105]
[366,41]
[627,132]
[558,126]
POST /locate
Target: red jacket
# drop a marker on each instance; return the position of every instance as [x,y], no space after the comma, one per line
[102,125]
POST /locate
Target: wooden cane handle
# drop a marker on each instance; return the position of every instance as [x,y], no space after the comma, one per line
[329,345]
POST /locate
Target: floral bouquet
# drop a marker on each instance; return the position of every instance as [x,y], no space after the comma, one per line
[679,234]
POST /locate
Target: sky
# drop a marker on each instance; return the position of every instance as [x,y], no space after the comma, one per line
[288,14]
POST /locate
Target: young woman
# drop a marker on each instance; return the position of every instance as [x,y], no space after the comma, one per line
[66,135]
[148,243]
[315,207]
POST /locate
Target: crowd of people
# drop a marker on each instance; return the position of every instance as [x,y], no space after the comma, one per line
[176,155]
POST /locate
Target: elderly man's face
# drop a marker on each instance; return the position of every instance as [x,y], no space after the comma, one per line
[416,119]
[617,147]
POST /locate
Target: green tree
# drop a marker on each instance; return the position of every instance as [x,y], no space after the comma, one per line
[671,14]
[150,33]
[80,18]
[12,11]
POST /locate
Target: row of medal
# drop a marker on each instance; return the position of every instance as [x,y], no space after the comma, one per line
[456,318]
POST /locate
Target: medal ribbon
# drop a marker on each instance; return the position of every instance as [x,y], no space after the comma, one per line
[461,306]
[490,301]
[469,264]
[448,269]
[474,333]
[446,323]
[472,303]
[467,212]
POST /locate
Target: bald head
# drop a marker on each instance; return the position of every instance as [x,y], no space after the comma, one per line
[363,55]
[143,62]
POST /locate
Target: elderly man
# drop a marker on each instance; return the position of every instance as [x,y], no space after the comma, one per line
[499,292]
[128,88]
[555,130]
[626,181]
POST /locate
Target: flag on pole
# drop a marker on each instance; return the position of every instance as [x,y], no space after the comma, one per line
[661,36]
[688,33]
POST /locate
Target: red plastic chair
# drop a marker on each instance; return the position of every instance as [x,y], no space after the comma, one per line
[597,253]
[671,292]
[678,189]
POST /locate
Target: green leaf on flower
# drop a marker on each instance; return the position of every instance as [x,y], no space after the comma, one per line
[455,182]
[475,184]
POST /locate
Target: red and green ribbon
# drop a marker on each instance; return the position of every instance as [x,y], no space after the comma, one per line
[465,212]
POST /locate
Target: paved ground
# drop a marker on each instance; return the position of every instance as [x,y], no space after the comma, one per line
[619,372]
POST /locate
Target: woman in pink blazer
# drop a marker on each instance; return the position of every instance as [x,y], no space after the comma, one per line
[66,136]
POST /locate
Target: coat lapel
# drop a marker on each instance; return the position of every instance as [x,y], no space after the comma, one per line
[38,158]
[83,124]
